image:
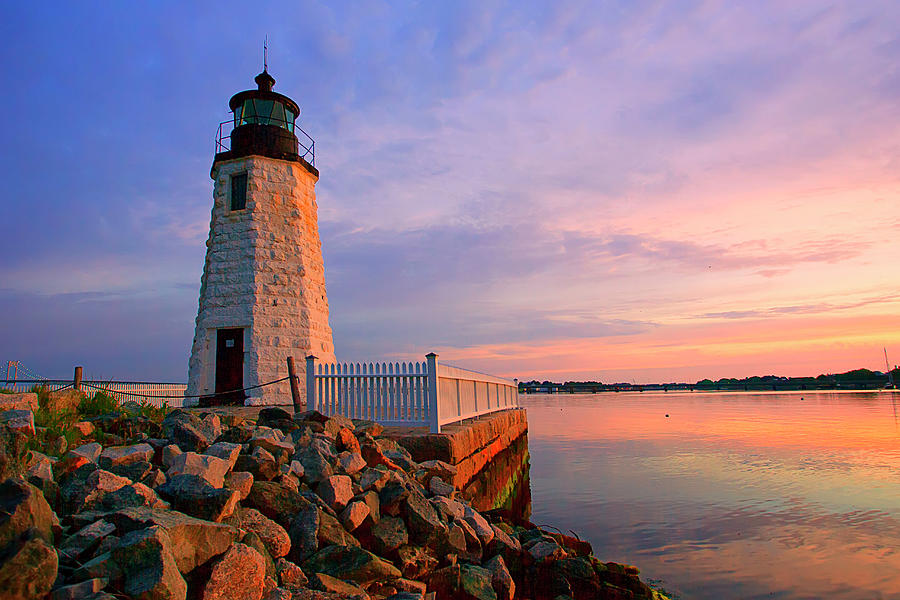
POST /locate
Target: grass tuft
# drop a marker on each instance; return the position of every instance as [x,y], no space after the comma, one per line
[100,403]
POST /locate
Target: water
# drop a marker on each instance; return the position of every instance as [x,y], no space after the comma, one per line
[734,495]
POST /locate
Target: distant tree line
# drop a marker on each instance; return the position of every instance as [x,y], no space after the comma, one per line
[855,379]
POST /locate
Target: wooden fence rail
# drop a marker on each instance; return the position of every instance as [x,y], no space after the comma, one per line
[406,393]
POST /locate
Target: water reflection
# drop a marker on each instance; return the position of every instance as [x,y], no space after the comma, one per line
[734,495]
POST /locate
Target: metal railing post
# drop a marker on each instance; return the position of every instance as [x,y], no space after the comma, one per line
[516,393]
[311,383]
[431,374]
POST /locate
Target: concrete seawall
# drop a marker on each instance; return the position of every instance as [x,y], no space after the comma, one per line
[490,454]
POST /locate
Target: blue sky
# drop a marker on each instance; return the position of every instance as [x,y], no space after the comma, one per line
[615,191]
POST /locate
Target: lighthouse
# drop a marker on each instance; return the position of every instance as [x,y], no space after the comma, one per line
[262,292]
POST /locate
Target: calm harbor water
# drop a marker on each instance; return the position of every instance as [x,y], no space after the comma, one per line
[733,495]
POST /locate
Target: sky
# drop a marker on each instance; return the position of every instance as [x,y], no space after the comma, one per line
[614,191]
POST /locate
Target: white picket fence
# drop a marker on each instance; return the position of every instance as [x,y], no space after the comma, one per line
[410,394]
[139,391]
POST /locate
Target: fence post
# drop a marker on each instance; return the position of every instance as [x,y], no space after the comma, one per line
[431,357]
[295,385]
[76,381]
[311,383]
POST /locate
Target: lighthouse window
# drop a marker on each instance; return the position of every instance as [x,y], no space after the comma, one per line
[239,191]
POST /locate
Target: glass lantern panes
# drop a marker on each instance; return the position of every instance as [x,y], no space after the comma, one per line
[255,111]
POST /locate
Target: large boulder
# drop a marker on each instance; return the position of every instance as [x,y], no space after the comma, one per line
[274,441]
[273,535]
[276,501]
[85,541]
[261,464]
[210,468]
[64,401]
[19,401]
[315,466]
[23,507]
[313,528]
[238,575]
[193,495]
[276,418]
[501,580]
[89,451]
[147,561]
[87,486]
[20,421]
[225,451]
[336,491]
[350,563]
[194,541]
[290,576]
[462,582]
[239,481]
[29,567]
[120,456]
[186,430]
[388,535]
[421,518]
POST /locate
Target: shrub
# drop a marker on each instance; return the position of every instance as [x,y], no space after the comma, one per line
[98,404]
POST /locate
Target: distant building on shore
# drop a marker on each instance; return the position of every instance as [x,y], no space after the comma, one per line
[262,293]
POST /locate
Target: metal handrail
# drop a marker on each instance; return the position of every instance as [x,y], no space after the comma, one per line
[309,151]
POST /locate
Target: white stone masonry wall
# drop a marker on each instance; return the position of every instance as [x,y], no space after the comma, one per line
[263,272]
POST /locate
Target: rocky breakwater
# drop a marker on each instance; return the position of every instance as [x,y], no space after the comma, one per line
[209,508]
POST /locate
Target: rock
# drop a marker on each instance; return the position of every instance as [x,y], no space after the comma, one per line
[194,541]
[312,416]
[350,563]
[392,497]
[85,541]
[374,479]
[276,418]
[261,464]
[290,576]
[304,533]
[90,451]
[345,440]
[64,401]
[336,491]
[154,478]
[437,487]
[19,401]
[276,501]
[462,582]
[253,540]
[421,518]
[39,467]
[238,575]
[370,427]
[193,495]
[416,561]
[273,535]
[337,422]
[387,535]
[21,421]
[296,469]
[374,456]
[239,481]
[23,508]
[58,446]
[336,588]
[239,434]
[87,486]
[130,496]
[279,594]
[168,454]
[546,550]
[501,580]
[372,501]
[186,430]
[148,565]
[315,465]
[502,544]
[29,567]
[269,439]
[79,591]
[352,462]
[479,524]
[332,532]
[210,468]
[225,451]
[211,426]
[354,515]
[410,585]
[84,428]
[135,471]
[117,456]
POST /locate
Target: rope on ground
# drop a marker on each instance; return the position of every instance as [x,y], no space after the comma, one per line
[139,395]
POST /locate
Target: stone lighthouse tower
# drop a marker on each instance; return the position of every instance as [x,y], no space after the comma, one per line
[262,294]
